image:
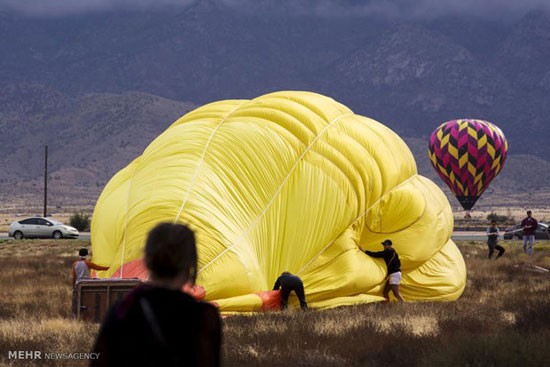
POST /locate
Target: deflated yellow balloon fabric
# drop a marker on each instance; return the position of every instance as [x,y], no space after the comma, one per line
[289,181]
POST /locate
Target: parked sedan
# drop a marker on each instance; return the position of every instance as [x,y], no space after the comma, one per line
[41,227]
[516,232]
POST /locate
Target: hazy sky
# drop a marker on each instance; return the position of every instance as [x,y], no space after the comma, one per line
[62,7]
[388,8]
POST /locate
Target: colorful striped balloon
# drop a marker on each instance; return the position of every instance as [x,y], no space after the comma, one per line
[467,155]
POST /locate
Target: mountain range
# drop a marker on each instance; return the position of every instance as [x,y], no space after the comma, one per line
[98,87]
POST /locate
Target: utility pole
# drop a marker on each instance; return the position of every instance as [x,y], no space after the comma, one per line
[46,182]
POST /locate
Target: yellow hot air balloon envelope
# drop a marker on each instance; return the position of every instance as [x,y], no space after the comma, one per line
[289,181]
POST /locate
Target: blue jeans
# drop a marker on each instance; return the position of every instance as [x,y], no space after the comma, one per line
[528,250]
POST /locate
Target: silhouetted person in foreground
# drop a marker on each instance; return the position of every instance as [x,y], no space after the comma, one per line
[288,283]
[157,324]
[394,269]
[492,240]
[81,271]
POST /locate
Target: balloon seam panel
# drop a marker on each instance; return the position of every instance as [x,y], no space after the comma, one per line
[353,222]
[277,192]
[202,159]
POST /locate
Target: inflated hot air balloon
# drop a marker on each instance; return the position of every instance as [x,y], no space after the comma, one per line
[467,155]
[289,181]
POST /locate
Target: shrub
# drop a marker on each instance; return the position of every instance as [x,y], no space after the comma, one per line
[80,221]
[496,217]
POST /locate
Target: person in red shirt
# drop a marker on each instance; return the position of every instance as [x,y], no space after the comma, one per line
[529,227]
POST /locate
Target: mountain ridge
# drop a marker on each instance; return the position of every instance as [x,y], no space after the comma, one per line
[97,134]
[98,87]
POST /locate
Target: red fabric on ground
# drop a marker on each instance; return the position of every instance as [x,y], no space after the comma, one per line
[271,300]
[137,269]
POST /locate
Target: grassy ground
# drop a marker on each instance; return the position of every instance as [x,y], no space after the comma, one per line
[501,320]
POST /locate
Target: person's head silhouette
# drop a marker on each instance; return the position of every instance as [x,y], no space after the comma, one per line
[171,255]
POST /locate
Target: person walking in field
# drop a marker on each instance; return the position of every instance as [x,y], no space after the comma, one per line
[391,258]
[158,324]
[529,227]
[492,240]
[288,283]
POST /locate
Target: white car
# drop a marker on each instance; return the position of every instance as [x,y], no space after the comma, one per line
[41,227]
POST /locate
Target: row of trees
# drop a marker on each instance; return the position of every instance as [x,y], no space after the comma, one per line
[497,218]
[82,221]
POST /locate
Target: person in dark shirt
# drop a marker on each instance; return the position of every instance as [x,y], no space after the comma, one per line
[157,324]
[492,240]
[529,227]
[394,269]
[288,283]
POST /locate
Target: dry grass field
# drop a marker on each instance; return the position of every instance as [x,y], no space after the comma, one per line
[502,319]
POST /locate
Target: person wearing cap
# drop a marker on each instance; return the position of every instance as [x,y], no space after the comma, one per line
[529,227]
[81,267]
[492,240]
[394,269]
[288,283]
[81,271]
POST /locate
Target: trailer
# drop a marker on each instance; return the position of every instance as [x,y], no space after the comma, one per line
[92,298]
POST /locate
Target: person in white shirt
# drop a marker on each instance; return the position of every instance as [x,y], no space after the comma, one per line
[492,240]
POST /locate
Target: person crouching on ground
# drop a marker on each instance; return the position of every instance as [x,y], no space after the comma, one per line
[394,269]
[492,240]
[288,283]
[81,271]
[157,324]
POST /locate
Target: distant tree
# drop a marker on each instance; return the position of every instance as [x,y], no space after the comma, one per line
[511,218]
[496,217]
[80,221]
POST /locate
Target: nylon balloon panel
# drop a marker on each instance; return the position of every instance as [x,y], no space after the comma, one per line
[289,181]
